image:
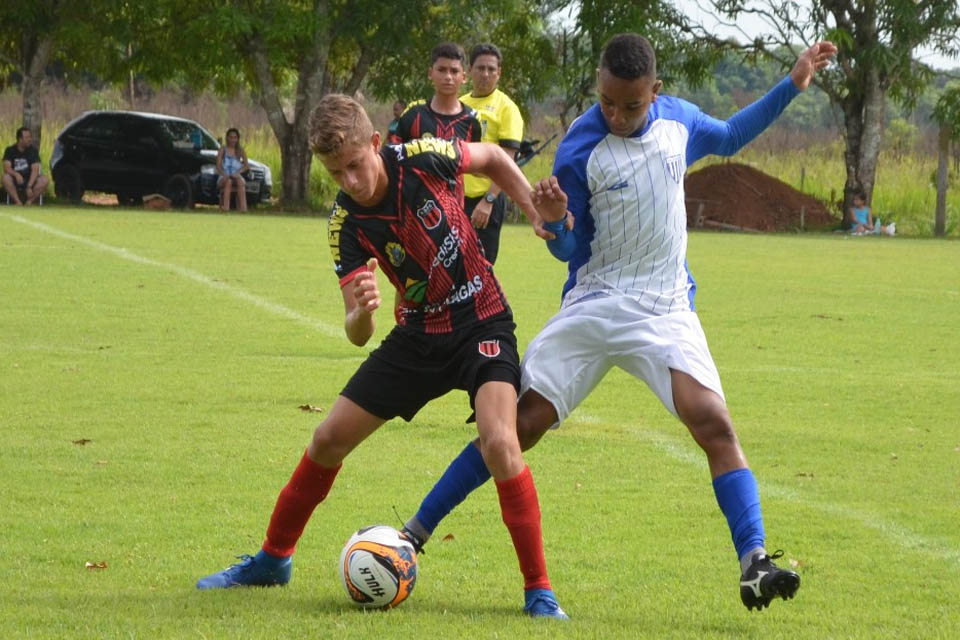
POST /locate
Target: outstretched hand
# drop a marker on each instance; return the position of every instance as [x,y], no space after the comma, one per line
[810,61]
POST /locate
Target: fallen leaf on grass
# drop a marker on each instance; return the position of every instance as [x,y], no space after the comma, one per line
[311,408]
[101,462]
[796,564]
[96,565]
[447,538]
[578,486]
[893,456]
[804,474]
[82,441]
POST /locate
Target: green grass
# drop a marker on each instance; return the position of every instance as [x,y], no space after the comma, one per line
[181,346]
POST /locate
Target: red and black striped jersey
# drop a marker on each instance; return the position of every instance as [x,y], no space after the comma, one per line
[420,121]
[421,238]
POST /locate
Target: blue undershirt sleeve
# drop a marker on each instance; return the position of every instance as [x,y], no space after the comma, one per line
[725,138]
[563,245]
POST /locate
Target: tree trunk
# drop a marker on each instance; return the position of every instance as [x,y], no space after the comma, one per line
[863,121]
[34,66]
[296,158]
[943,148]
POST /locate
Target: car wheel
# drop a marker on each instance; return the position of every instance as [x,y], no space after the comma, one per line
[180,191]
[129,199]
[67,183]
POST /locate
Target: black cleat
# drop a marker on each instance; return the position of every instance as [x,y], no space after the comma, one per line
[764,581]
[413,539]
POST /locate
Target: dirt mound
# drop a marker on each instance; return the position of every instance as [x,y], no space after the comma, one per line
[738,195]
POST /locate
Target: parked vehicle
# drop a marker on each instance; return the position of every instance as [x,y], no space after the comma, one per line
[133,154]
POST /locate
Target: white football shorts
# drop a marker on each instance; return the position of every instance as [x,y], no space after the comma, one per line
[577,347]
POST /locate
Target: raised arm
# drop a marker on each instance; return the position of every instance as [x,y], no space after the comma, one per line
[492,161]
[725,138]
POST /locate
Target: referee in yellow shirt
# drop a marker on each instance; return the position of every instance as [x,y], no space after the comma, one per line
[501,124]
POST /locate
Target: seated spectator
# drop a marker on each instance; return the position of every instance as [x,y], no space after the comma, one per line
[231,165]
[862,221]
[22,179]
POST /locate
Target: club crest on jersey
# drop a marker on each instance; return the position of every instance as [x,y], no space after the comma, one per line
[429,214]
[395,253]
[675,167]
[489,348]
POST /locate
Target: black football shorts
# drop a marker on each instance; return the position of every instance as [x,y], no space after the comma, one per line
[410,368]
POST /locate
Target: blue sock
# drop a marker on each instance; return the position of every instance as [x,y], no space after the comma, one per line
[739,500]
[467,472]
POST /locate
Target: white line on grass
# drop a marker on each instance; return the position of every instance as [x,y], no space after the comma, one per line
[896,533]
[236,292]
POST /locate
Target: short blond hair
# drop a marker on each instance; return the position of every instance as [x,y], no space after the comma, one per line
[337,122]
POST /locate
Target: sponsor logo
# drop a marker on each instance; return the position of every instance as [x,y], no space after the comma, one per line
[429,214]
[620,185]
[429,144]
[372,583]
[449,249]
[395,253]
[675,167]
[489,348]
[459,294]
[416,290]
[337,216]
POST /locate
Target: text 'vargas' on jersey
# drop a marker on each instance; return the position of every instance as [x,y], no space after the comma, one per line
[421,238]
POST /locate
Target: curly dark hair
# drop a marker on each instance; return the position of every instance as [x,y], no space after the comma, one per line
[629,56]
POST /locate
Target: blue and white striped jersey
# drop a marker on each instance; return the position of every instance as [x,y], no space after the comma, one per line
[627,198]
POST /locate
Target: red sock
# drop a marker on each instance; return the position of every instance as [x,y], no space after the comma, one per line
[308,486]
[521,514]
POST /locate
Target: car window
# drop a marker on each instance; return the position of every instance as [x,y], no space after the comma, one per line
[99,128]
[185,135]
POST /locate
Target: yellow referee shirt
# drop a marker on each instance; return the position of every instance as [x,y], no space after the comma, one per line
[501,124]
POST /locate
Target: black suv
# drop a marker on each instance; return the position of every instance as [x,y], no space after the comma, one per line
[133,154]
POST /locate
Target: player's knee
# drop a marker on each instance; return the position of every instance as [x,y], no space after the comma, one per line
[499,444]
[325,449]
[529,430]
[713,429]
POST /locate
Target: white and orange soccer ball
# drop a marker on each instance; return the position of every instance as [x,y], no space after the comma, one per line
[378,567]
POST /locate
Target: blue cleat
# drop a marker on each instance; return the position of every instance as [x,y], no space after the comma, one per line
[261,570]
[541,603]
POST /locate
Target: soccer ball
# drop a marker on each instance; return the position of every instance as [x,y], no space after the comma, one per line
[378,567]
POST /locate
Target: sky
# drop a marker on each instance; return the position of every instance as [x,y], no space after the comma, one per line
[754,26]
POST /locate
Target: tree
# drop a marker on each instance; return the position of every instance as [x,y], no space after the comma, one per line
[290,53]
[947,114]
[78,35]
[877,40]
[582,27]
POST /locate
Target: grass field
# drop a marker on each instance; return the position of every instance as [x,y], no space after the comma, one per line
[180,346]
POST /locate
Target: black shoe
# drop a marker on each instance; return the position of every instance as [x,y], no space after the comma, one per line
[413,539]
[764,580]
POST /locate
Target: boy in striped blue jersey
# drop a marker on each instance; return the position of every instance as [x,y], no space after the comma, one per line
[627,302]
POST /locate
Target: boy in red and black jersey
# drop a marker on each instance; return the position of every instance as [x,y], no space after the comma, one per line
[431,257]
[402,207]
[443,115]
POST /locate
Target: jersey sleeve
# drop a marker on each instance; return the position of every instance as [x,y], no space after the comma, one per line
[726,137]
[348,258]
[445,158]
[511,126]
